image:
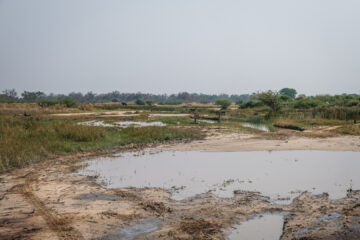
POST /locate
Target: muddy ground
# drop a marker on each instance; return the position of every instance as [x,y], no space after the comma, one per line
[49,201]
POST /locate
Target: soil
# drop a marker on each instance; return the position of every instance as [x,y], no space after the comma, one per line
[281,140]
[48,200]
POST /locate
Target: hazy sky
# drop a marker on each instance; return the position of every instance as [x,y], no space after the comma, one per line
[168,46]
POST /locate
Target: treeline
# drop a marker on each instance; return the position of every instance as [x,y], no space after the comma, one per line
[10,95]
[285,97]
[287,103]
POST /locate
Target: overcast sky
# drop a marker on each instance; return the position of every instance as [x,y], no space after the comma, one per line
[168,46]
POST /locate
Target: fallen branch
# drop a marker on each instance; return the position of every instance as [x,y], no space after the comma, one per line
[292,127]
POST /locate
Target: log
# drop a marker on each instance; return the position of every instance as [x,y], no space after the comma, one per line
[288,126]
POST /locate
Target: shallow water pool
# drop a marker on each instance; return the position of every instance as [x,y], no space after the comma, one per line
[281,175]
[261,127]
[124,124]
[263,227]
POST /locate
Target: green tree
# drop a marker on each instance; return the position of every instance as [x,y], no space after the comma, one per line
[272,100]
[32,96]
[223,103]
[291,92]
[10,93]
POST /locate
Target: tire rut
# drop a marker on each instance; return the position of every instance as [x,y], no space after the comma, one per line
[60,225]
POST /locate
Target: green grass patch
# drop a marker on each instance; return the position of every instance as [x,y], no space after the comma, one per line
[26,140]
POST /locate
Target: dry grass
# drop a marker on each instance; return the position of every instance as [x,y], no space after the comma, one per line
[32,108]
[310,122]
[26,139]
[200,228]
[348,130]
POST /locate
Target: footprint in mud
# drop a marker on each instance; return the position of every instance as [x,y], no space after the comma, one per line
[133,231]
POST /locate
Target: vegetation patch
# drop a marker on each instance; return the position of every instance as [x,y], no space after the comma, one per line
[26,140]
[348,130]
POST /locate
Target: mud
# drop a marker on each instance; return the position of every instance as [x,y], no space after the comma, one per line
[49,201]
[133,231]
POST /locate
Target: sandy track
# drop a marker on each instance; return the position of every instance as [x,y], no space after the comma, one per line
[246,142]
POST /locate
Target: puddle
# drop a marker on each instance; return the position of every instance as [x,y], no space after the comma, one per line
[261,127]
[281,175]
[133,231]
[124,124]
[264,227]
[207,121]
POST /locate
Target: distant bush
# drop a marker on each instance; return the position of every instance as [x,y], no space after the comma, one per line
[139,102]
[352,103]
[223,103]
[239,101]
[306,103]
[68,102]
[290,92]
[171,103]
[149,103]
[47,103]
[285,98]
[251,104]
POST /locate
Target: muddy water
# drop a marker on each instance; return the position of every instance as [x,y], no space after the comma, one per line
[124,124]
[264,227]
[133,231]
[261,127]
[281,175]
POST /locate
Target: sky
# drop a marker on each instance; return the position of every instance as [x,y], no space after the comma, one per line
[170,46]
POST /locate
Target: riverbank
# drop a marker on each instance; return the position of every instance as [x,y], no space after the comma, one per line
[249,142]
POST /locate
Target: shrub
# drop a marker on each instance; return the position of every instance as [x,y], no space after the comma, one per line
[139,102]
[223,103]
[239,101]
[68,102]
[251,104]
[170,103]
[306,103]
[149,102]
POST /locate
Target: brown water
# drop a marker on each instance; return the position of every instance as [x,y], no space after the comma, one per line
[133,231]
[263,227]
[282,175]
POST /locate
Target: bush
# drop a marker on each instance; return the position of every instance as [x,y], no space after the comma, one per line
[306,103]
[170,103]
[139,102]
[352,103]
[68,102]
[223,103]
[251,104]
[149,103]
[239,101]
